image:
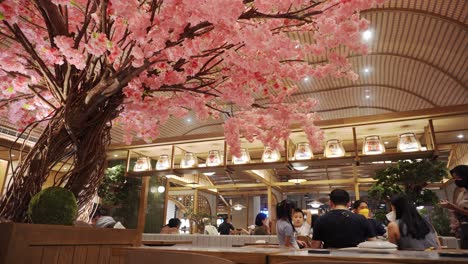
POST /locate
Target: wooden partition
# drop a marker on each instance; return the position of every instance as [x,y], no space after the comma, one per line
[50,244]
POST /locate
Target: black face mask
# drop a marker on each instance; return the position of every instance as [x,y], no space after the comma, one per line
[461,184]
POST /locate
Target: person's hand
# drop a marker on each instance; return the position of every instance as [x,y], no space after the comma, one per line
[302,244]
[448,205]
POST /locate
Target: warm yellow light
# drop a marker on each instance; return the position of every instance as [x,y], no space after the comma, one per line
[334,149]
[163,163]
[372,145]
[407,142]
[297,181]
[142,164]
[243,159]
[188,161]
[303,151]
[270,155]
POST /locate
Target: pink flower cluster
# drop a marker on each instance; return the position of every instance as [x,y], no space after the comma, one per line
[232,66]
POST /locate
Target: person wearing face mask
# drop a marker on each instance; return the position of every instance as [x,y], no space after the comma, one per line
[410,231]
[361,207]
[460,207]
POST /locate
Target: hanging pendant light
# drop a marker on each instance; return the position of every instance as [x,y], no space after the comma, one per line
[315,204]
[270,155]
[163,163]
[244,158]
[408,142]
[213,159]
[297,181]
[372,145]
[188,160]
[303,151]
[334,149]
[142,164]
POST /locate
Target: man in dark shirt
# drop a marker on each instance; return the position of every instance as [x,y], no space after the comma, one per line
[225,227]
[341,228]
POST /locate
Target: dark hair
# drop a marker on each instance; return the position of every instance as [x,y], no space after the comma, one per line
[339,197]
[406,212]
[462,172]
[260,217]
[298,210]
[284,210]
[357,203]
[174,222]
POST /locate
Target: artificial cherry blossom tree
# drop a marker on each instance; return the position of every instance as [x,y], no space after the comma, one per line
[73,68]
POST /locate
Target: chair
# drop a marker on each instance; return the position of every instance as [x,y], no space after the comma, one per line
[148,256]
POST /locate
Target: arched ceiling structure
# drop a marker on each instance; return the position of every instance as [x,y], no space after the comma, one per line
[417,60]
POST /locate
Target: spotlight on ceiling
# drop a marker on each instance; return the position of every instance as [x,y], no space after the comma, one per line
[367,35]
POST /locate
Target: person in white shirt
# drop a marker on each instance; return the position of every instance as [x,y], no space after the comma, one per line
[209,229]
[302,226]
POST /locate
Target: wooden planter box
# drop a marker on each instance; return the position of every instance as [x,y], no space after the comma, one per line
[54,244]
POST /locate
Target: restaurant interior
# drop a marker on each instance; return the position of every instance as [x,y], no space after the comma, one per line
[410,104]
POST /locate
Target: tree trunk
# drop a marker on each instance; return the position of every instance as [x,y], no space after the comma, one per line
[74,135]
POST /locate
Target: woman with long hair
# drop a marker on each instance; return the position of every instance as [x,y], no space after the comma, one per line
[410,231]
[284,227]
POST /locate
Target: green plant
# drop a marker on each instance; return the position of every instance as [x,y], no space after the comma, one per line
[409,177]
[54,206]
[113,189]
[440,220]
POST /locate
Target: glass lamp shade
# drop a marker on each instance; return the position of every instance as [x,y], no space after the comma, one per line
[238,207]
[270,155]
[334,149]
[188,161]
[163,163]
[243,159]
[315,204]
[213,159]
[372,145]
[408,142]
[142,164]
[303,151]
[297,181]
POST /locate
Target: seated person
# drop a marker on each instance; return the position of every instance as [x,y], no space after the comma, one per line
[172,227]
[361,207]
[226,228]
[262,225]
[340,228]
[209,229]
[101,220]
[410,231]
[302,227]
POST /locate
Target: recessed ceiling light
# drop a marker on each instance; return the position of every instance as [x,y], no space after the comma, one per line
[306,79]
[367,96]
[189,120]
[460,136]
[115,155]
[386,142]
[13,155]
[366,70]
[367,35]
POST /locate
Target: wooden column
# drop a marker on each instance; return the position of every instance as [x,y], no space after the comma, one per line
[427,138]
[356,184]
[195,209]
[129,152]
[247,213]
[166,200]
[433,136]
[356,151]
[142,207]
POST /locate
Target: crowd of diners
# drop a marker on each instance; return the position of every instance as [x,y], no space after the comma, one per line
[342,227]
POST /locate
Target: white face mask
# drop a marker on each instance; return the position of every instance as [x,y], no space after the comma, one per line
[391,216]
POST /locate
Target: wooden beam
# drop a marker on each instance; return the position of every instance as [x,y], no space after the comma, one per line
[323,124]
[433,137]
[142,208]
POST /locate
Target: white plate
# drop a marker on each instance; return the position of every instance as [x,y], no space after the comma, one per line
[377,245]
